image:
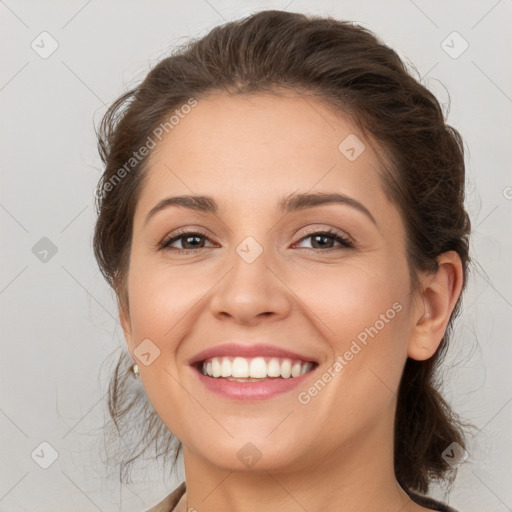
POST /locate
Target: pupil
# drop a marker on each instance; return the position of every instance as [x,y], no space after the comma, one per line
[191,238]
[322,237]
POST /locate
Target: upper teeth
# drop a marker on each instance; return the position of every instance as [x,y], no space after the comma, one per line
[257,367]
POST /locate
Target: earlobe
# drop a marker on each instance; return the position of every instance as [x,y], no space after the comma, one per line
[439,294]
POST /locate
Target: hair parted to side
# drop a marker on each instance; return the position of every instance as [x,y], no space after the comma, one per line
[346,66]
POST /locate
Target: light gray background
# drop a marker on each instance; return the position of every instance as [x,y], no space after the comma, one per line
[60,332]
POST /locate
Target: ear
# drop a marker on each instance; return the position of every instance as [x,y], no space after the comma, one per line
[124,317]
[439,293]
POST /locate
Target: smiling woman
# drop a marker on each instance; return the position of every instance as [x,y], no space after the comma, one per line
[288,258]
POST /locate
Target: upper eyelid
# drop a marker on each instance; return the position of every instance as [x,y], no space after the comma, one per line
[317,227]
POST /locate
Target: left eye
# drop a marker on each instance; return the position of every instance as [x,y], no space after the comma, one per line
[318,238]
[323,235]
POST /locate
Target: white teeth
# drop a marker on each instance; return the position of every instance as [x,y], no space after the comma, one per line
[240,368]
[274,368]
[254,368]
[286,369]
[258,368]
[296,369]
[215,367]
[225,368]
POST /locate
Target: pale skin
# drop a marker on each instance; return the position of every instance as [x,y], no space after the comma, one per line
[247,152]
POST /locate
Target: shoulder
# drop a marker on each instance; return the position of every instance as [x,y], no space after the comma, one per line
[431,503]
[169,502]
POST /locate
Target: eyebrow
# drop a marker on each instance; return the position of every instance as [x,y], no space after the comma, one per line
[291,203]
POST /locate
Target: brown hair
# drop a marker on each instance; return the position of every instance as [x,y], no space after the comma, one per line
[346,66]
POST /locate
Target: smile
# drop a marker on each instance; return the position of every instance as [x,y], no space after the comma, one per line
[252,379]
[254,369]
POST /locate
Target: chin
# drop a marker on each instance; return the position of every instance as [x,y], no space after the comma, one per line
[253,453]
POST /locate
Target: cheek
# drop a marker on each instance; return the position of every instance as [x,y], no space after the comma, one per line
[160,301]
[363,313]
[161,304]
[350,297]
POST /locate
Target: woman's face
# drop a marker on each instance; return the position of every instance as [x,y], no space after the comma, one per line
[258,274]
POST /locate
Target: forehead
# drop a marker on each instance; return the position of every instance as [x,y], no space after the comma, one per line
[250,149]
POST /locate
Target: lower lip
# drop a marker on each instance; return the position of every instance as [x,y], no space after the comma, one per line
[252,390]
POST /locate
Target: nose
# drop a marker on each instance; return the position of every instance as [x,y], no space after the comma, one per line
[251,290]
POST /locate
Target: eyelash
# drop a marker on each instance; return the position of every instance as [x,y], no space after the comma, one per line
[345,242]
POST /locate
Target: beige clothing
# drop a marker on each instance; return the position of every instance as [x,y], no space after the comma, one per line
[169,503]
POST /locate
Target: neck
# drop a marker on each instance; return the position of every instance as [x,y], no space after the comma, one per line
[356,476]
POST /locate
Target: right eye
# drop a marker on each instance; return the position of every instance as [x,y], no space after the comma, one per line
[188,237]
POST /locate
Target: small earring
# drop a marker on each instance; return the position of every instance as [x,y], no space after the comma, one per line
[135,369]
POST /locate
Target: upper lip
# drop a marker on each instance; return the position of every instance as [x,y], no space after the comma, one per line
[252,350]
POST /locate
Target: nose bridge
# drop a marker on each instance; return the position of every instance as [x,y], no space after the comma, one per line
[250,249]
[250,239]
[249,272]
[250,288]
